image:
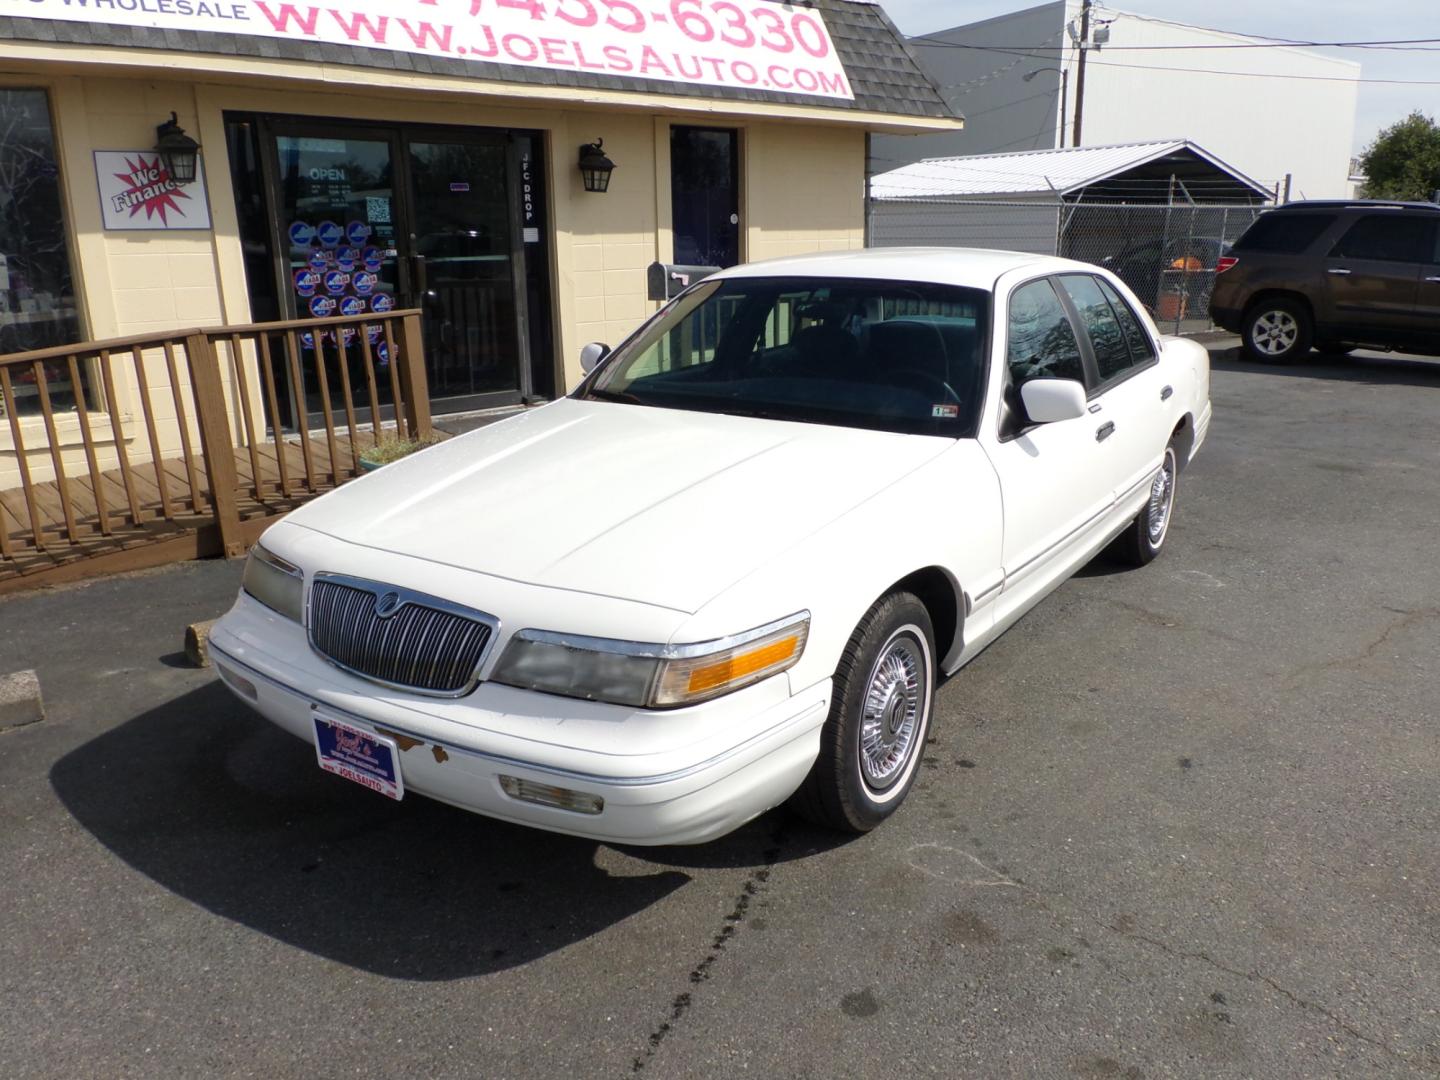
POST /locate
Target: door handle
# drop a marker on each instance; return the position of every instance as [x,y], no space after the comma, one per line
[1166,393]
[418,277]
[1104,431]
[1338,272]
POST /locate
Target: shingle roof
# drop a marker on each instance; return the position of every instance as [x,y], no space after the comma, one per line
[1057,172]
[883,72]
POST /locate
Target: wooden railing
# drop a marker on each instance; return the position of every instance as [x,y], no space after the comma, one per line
[256,419]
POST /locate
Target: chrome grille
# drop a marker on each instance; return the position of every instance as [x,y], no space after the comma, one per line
[397,636]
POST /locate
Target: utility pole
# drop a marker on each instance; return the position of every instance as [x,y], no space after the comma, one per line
[1080,74]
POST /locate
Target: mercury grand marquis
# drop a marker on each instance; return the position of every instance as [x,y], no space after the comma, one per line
[727,570]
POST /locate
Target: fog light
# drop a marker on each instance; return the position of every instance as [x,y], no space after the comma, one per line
[560,798]
[241,685]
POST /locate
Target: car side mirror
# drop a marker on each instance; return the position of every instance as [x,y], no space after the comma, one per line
[1048,401]
[592,354]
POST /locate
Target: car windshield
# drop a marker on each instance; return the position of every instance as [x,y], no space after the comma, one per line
[884,355]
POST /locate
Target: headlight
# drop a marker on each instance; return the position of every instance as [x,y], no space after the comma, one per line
[650,676]
[275,583]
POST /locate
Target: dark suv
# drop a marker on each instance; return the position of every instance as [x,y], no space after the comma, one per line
[1335,275]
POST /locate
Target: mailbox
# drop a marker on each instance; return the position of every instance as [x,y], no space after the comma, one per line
[668,279]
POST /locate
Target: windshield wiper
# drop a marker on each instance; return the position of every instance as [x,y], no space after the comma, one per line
[622,396]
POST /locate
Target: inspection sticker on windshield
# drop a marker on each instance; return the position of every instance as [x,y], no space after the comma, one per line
[371,761]
[944,412]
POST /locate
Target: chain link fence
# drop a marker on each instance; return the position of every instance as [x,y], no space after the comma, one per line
[1166,253]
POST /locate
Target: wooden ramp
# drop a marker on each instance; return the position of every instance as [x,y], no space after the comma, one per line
[171,517]
[221,394]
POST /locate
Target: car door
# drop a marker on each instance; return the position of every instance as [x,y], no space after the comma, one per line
[1372,276]
[1057,496]
[1127,392]
[1427,302]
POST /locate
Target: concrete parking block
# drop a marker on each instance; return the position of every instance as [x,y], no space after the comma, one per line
[197,643]
[20,701]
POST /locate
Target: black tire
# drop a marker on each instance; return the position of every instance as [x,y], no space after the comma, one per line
[850,789]
[1277,331]
[1144,537]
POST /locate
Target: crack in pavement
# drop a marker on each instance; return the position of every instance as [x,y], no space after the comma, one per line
[1254,975]
[1407,620]
[755,885]
[1171,622]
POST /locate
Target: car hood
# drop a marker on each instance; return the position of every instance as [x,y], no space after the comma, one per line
[656,505]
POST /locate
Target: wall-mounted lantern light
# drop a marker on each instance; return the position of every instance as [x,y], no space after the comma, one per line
[178,151]
[595,167]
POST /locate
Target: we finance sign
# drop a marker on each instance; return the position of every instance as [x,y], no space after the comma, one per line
[748,45]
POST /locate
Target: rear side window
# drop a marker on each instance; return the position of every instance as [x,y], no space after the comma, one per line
[1107,338]
[1388,237]
[1141,351]
[1041,341]
[1284,234]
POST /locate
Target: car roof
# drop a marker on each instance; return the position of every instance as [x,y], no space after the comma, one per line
[1355,204]
[976,268]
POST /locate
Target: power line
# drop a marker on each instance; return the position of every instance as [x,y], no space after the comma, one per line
[1196,70]
[1403,44]
[1270,75]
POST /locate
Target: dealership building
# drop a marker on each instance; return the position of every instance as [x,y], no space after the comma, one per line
[510,170]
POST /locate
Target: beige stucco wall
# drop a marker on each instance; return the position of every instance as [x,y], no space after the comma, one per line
[802,190]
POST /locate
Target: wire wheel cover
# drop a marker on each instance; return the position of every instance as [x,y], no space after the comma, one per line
[891,721]
[1162,499]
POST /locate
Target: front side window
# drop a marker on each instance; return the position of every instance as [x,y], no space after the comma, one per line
[1388,238]
[883,355]
[37,293]
[1041,342]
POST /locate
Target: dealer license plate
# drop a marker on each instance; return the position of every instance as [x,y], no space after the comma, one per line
[370,760]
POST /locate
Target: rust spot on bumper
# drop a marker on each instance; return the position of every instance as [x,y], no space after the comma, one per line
[405,742]
[440,755]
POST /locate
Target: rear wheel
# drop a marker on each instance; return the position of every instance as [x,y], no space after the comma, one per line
[1277,331]
[872,742]
[1142,541]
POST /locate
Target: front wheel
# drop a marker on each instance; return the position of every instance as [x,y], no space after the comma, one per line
[1277,331]
[1145,536]
[874,738]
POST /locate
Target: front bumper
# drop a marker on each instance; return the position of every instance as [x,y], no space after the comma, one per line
[745,752]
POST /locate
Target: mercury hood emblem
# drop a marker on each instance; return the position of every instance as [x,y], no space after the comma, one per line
[387,605]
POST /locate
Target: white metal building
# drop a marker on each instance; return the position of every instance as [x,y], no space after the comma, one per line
[1269,112]
[1164,171]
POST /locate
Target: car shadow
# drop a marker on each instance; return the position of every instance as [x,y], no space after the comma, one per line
[220,807]
[1375,369]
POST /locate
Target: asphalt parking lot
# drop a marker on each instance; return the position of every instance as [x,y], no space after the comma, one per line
[1181,821]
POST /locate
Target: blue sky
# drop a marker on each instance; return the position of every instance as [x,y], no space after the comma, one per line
[1312,20]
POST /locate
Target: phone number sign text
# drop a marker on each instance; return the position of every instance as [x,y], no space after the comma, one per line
[746,44]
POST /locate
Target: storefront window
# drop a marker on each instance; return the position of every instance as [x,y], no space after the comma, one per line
[37,293]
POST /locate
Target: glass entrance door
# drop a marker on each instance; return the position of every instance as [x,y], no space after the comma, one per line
[466,268]
[336,214]
[371,219]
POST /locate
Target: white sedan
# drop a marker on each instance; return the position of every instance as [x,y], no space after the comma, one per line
[728,569]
